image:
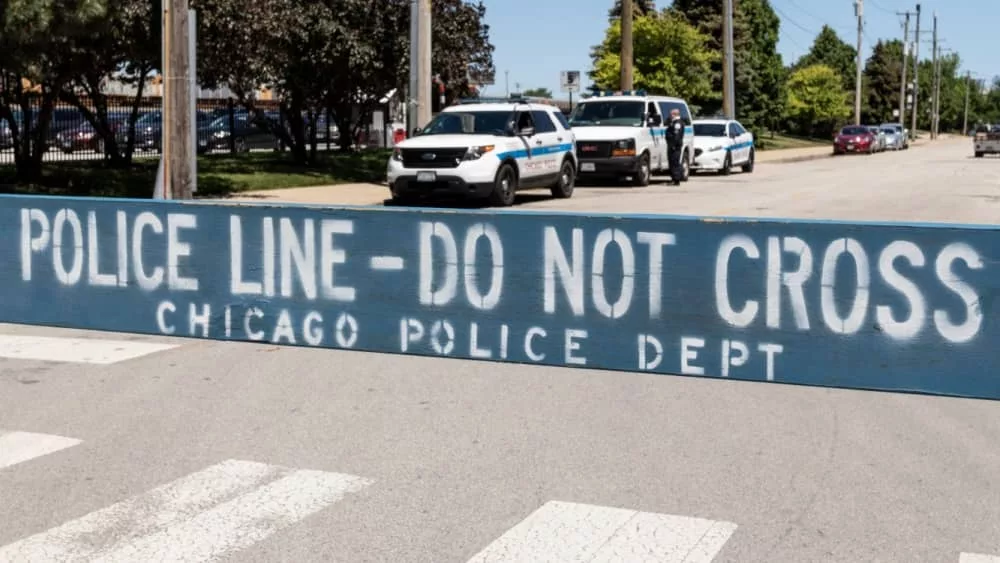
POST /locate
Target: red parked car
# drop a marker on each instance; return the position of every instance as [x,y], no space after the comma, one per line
[855,138]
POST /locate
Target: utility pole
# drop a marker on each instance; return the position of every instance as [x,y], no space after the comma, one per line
[178,122]
[728,75]
[902,81]
[420,62]
[968,86]
[935,101]
[859,9]
[626,51]
[916,72]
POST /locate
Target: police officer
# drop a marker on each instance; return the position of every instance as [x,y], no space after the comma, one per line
[675,146]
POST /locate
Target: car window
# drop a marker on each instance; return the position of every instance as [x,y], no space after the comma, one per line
[543,123]
[608,113]
[854,131]
[667,107]
[562,120]
[737,128]
[468,123]
[710,129]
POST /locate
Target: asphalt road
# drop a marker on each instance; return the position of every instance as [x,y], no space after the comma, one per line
[196,450]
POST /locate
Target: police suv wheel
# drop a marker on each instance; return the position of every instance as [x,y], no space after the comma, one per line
[748,167]
[504,187]
[642,172]
[727,165]
[686,167]
[563,187]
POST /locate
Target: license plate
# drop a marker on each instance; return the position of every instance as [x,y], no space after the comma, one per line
[586,167]
[850,147]
[426,176]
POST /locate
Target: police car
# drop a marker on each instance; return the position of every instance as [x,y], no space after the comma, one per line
[721,144]
[624,134]
[486,150]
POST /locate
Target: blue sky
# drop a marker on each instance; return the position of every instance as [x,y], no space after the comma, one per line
[536,39]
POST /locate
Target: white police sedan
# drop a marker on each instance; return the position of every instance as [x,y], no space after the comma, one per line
[721,144]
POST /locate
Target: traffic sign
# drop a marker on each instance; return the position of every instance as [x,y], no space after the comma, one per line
[570,80]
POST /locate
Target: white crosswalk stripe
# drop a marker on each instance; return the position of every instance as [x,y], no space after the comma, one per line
[562,531]
[75,350]
[200,517]
[978,558]
[18,447]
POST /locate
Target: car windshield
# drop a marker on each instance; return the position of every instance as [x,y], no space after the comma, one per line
[710,129]
[469,123]
[889,130]
[853,131]
[608,113]
[151,118]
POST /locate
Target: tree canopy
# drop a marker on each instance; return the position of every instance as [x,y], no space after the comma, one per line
[828,49]
[639,8]
[817,101]
[670,57]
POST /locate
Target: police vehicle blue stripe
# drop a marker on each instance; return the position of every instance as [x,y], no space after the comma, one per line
[742,145]
[536,151]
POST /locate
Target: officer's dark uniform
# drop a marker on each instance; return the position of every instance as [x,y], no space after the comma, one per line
[675,147]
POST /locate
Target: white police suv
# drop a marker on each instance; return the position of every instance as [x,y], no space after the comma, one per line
[721,144]
[486,151]
[624,134]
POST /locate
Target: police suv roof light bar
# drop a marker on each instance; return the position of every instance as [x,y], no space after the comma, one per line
[608,93]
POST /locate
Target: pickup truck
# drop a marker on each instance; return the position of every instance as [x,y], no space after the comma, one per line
[987,141]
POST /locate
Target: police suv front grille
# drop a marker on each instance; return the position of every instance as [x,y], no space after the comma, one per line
[593,149]
[432,158]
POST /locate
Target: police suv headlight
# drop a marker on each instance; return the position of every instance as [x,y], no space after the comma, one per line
[475,153]
[397,154]
[625,147]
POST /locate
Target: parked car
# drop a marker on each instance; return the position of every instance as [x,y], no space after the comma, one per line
[149,129]
[879,137]
[855,138]
[84,137]
[893,138]
[249,132]
[902,132]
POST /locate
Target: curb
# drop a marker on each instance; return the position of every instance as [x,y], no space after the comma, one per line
[790,159]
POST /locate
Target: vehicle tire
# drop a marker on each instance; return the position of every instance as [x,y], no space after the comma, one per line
[979,155]
[642,172]
[686,166]
[563,188]
[241,145]
[748,167]
[504,187]
[727,165]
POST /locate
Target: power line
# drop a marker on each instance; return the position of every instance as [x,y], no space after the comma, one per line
[879,7]
[785,17]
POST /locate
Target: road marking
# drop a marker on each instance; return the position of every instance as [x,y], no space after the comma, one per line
[200,517]
[18,447]
[561,531]
[75,350]
[386,263]
[978,558]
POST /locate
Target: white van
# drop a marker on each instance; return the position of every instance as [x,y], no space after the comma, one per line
[624,134]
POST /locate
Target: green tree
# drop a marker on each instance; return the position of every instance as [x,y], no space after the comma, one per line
[758,67]
[461,45]
[828,49]
[639,8]
[670,57]
[40,46]
[538,92]
[816,102]
[882,75]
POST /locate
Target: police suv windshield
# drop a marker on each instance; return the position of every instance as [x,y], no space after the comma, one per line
[710,129]
[608,113]
[469,123]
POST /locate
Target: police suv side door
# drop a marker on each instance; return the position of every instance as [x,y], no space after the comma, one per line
[655,125]
[741,140]
[548,142]
[527,157]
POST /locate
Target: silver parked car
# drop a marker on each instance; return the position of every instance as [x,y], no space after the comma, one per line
[880,138]
[893,137]
[902,133]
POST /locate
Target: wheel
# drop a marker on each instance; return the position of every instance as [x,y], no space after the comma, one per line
[504,187]
[100,146]
[727,165]
[748,167]
[686,167]
[241,145]
[563,188]
[642,172]
[979,155]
